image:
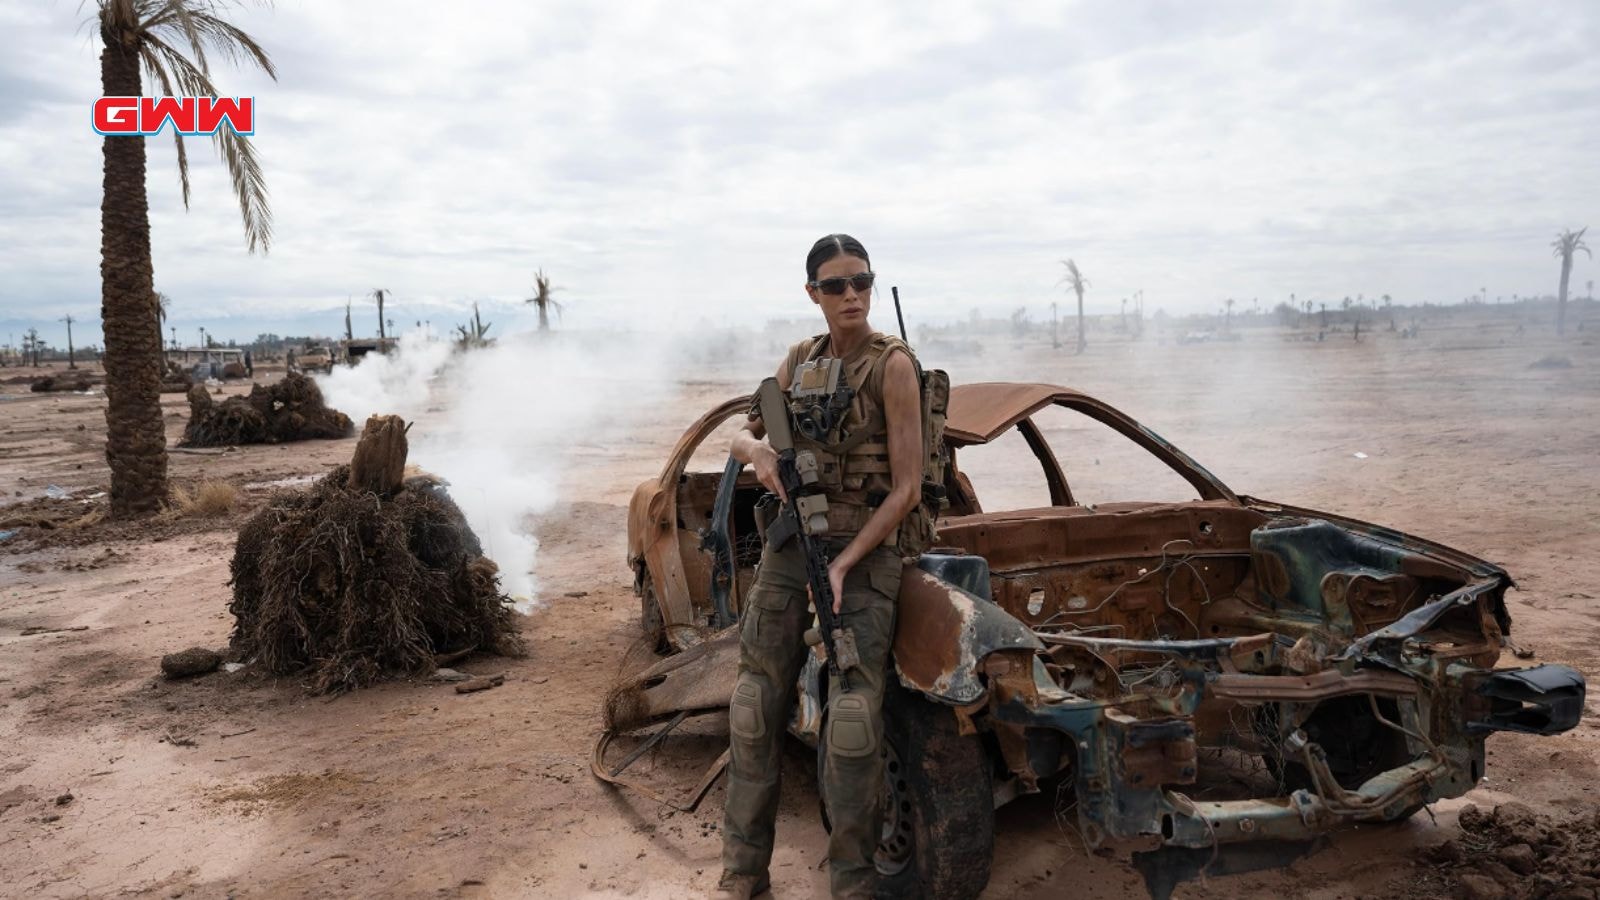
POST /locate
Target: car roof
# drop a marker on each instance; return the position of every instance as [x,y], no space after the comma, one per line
[981,412]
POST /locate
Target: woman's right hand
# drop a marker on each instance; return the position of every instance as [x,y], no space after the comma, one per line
[764,460]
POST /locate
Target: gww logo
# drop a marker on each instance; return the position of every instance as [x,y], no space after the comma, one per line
[130,116]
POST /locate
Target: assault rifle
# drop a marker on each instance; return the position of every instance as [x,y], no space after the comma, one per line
[805,512]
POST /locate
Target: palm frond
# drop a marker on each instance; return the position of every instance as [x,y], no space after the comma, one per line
[158,73]
[1073,279]
[237,153]
[126,15]
[234,43]
[178,17]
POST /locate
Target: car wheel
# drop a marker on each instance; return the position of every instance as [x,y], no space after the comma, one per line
[937,837]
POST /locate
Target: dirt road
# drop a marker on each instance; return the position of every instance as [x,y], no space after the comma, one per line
[233,785]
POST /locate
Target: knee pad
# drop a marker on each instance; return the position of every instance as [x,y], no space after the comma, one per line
[745,718]
[850,729]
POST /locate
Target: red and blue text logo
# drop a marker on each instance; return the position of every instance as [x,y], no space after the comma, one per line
[144,116]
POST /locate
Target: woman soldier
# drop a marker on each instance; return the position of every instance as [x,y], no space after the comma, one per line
[870,465]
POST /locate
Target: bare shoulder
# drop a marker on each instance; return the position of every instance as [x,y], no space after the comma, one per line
[899,374]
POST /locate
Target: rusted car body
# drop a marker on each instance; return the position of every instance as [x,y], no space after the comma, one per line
[1110,645]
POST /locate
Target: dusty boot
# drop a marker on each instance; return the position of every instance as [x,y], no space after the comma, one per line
[742,887]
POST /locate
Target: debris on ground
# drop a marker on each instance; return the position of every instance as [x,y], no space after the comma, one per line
[1511,851]
[365,575]
[179,384]
[287,410]
[61,384]
[449,676]
[480,684]
[1553,361]
[191,662]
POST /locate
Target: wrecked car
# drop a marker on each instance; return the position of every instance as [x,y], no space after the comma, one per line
[1117,648]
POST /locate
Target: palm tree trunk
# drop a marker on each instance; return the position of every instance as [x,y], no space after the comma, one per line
[136,445]
[1561,299]
[1081,342]
[544,318]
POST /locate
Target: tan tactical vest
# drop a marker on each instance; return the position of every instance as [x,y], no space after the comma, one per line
[853,464]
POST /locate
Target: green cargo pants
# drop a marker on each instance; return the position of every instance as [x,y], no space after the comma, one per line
[771,652]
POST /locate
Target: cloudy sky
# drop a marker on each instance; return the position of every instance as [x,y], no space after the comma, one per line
[670,163]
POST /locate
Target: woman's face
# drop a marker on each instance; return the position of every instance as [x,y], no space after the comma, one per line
[849,309]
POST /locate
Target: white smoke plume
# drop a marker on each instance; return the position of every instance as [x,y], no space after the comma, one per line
[500,423]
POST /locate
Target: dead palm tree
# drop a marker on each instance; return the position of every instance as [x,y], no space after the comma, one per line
[379,294]
[1075,282]
[1567,243]
[541,298]
[167,40]
[474,333]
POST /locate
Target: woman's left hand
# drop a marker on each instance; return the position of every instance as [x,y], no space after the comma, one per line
[836,572]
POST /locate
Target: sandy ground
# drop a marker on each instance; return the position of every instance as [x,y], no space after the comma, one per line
[233,785]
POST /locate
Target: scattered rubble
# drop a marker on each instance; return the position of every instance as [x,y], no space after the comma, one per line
[61,383]
[1511,851]
[473,685]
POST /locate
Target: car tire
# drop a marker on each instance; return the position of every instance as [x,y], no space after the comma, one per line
[938,828]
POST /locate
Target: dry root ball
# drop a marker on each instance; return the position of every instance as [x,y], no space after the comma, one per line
[347,587]
[289,410]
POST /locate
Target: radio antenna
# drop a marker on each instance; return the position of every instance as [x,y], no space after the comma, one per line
[902,319]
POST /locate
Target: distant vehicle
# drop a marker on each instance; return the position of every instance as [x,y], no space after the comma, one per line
[314,358]
[353,351]
[207,362]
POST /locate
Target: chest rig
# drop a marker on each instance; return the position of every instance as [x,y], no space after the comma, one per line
[836,407]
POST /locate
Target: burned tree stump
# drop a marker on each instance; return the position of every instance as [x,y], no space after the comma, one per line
[380,458]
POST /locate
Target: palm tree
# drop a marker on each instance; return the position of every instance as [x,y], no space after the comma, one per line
[1564,246]
[164,309]
[1075,282]
[378,294]
[1055,328]
[168,40]
[541,298]
[1227,322]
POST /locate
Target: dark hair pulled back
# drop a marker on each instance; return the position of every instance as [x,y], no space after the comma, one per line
[829,247]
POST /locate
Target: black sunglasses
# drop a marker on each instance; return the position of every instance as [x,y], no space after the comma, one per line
[835,286]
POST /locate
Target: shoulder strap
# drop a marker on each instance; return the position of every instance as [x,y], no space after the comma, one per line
[806,350]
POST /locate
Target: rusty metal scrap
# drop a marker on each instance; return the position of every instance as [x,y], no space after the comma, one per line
[1111,643]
